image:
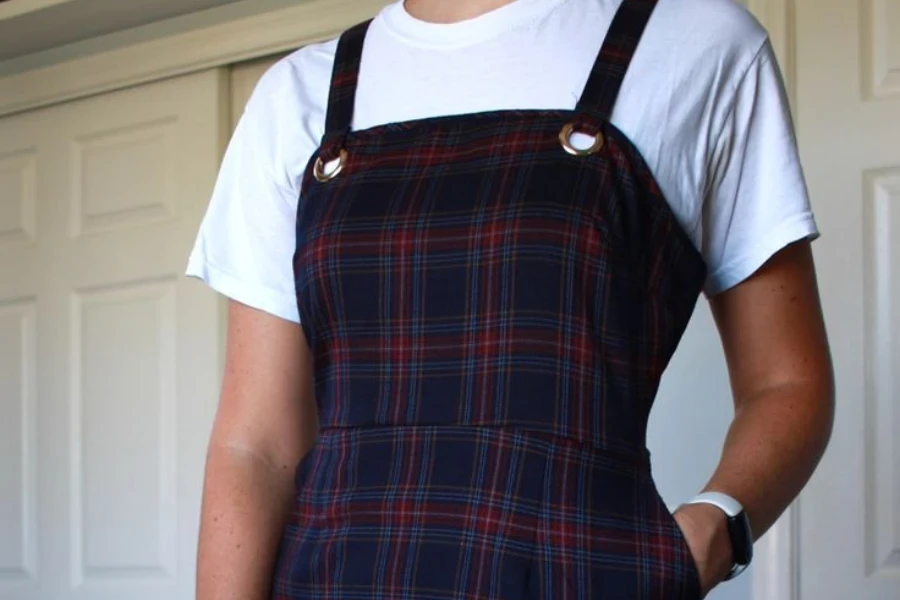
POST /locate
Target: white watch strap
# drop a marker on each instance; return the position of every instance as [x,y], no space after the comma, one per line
[726,503]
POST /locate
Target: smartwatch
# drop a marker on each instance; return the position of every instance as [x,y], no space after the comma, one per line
[738,528]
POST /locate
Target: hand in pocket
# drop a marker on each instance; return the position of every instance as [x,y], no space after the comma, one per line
[705,530]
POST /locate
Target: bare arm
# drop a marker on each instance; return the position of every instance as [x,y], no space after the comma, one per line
[782,381]
[265,423]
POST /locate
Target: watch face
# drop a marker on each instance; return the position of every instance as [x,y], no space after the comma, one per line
[739,530]
[741,539]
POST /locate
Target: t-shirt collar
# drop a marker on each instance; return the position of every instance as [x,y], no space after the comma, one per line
[416,32]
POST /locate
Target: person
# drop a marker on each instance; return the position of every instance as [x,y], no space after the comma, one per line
[461,242]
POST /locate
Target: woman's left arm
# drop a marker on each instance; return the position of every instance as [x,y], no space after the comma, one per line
[782,380]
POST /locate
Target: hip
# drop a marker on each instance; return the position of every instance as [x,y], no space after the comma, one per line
[448,512]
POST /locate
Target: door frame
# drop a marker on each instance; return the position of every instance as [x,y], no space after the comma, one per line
[776,567]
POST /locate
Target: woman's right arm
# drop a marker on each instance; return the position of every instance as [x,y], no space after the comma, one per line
[266,422]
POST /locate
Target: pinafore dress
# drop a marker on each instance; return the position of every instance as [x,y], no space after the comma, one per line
[490,310]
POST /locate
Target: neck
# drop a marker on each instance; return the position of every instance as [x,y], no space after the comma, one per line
[451,11]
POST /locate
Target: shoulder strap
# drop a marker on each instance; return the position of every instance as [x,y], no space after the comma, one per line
[605,81]
[344,77]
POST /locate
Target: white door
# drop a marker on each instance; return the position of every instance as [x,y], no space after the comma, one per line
[848,111]
[109,356]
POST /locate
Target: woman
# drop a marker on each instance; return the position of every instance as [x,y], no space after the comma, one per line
[461,244]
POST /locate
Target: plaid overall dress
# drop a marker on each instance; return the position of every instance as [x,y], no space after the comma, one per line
[490,310]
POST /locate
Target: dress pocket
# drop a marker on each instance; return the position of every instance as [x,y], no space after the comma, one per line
[691,571]
[679,561]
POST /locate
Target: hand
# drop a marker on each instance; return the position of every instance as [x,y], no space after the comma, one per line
[705,529]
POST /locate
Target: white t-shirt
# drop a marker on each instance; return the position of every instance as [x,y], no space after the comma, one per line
[703,101]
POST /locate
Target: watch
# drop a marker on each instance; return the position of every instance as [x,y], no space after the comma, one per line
[738,528]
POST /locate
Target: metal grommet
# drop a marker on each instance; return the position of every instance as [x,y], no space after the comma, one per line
[565,138]
[322,175]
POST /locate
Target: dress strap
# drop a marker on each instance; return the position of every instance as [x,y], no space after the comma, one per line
[344,78]
[605,80]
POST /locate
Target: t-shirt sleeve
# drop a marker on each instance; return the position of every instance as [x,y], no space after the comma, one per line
[244,248]
[757,200]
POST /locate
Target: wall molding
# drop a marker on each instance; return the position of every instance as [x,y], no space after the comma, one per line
[208,47]
[9,10]
[776,570]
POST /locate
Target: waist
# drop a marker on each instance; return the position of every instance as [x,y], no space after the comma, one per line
[435,452]
[599,419]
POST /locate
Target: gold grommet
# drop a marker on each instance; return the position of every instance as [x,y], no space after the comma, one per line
[565,136]
[319,169]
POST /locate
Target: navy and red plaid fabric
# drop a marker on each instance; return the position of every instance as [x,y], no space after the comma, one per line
[489,318]
[477,512]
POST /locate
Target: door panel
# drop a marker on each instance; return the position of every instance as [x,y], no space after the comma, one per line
[110,363]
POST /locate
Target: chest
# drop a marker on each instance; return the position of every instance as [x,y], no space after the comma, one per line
[479,214]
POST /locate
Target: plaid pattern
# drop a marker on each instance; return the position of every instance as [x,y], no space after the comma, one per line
[489,318]
[441,512]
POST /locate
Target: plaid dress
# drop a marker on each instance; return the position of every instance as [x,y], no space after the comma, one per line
[490,316]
